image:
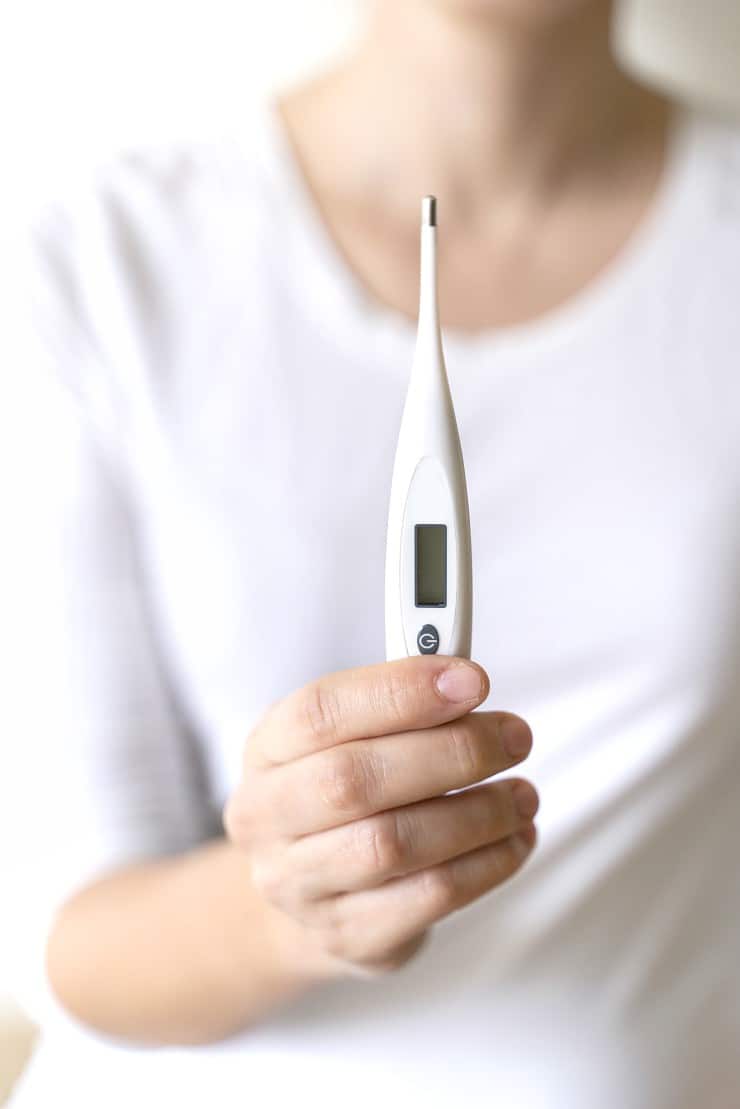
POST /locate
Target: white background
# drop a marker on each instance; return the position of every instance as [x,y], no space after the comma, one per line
[82,78]
[79,78]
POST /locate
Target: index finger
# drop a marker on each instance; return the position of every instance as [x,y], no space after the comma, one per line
[367,701]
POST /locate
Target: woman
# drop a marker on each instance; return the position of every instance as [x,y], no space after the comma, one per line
[255,867]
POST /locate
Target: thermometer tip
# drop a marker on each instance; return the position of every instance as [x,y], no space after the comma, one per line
[429,211]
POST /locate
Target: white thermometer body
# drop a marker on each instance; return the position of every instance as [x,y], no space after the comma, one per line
[428,573]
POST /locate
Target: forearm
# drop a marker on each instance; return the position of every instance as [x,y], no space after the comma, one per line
[180,950]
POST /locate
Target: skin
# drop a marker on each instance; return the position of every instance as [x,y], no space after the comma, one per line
[543,155]
[341,848]
[341,853]
[342,814]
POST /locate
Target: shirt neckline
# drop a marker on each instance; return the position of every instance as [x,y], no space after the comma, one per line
[336,290]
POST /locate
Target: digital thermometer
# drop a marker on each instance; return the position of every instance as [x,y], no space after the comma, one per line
[428,570]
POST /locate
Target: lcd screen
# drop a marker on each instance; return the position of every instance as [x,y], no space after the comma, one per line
[431,565]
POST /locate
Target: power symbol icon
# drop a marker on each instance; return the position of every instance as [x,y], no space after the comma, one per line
[428,639]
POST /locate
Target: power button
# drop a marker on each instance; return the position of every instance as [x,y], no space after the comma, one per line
[428,640]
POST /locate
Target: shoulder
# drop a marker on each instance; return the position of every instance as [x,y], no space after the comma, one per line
[175,189]
[124,256]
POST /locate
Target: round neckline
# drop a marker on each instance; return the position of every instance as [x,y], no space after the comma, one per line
[352,306]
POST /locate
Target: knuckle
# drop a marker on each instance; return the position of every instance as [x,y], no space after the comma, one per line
[248,815]
[467,750]
[266,876]
[382,845]
[320,712]
[237,821]
[344,783]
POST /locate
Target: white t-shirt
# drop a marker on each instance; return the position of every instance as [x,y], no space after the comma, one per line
[216,404]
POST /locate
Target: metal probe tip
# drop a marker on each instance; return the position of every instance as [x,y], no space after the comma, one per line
[429,211]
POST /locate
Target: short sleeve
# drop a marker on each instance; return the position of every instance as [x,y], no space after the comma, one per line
[100,765]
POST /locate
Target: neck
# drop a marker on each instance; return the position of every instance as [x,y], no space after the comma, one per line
[497,107]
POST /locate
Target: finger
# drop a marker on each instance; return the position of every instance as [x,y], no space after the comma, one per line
[366,853]
[366,776]
[365,925]
[367,701]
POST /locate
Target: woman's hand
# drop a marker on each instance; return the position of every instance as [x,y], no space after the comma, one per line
[342,814]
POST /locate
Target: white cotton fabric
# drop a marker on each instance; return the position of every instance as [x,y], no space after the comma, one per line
[213,402]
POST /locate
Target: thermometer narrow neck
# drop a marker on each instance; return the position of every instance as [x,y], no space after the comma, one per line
[429,360]
[428,301]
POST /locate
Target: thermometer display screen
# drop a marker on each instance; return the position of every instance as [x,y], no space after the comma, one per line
[431,565]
